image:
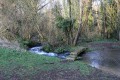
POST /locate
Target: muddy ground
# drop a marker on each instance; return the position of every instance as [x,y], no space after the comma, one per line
[66,75]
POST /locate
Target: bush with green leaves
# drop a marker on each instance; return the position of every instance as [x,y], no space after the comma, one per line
[60,49]
[64,24]
[48,48]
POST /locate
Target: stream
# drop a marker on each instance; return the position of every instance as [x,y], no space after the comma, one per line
[107,59]
[38,50]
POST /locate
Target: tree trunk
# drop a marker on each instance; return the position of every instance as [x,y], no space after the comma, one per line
[118,18]
[71,24]
[119,36]
[80,25]
[104,19]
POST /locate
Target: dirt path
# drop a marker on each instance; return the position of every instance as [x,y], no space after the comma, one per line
[73,75]
[68,74]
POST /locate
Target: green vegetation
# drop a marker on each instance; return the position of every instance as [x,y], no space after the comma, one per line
[84,43]
[24,64]
[105,40]
[61,49]
[69,24]
[58,28]
[58,49]
[66,25]
[48,48]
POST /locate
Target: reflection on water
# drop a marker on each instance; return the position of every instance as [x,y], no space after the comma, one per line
[108,60]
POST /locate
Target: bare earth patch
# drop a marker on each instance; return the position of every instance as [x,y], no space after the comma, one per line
[73,75]
[66,75]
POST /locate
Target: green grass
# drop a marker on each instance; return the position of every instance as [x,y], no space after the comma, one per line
[106,41]
[23,64]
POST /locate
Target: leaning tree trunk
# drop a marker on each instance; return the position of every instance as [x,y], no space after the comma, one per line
[118,18]
[71,24]
[80,25]
[83,3]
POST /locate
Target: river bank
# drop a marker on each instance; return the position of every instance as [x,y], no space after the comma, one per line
[16,65]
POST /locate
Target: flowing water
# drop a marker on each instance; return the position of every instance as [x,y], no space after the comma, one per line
[107,60]
[38,50]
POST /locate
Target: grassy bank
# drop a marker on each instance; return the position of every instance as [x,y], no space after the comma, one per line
[25,65]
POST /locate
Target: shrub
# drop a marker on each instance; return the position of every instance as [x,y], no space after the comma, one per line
[60,50]
[48,48]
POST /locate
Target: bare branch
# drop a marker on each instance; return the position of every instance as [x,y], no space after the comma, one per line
[43,6]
